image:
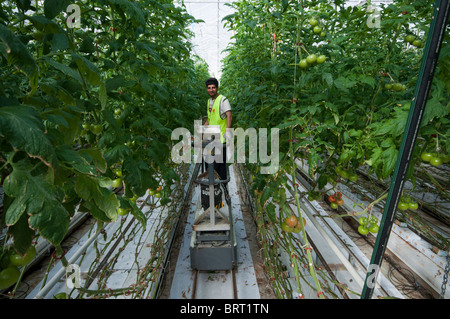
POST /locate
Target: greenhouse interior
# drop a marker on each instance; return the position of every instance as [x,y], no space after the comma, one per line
[322,172]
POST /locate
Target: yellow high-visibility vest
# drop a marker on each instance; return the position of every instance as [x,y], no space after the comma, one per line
[214,117]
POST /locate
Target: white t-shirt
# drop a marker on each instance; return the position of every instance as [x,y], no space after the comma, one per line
[224,107]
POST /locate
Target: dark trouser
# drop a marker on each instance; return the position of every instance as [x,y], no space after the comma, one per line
[221,168]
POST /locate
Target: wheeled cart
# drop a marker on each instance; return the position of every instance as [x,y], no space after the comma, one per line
[213,241]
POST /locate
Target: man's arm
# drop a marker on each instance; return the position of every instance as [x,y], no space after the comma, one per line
[229,119]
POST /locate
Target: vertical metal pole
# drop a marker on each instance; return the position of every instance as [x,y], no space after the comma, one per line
[218,37]
[212,210]
[428,66]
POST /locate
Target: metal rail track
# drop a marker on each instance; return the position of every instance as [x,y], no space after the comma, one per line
[205,284]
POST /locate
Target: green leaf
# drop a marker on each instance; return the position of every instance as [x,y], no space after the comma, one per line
[23,128]
[64,69]
[102,95]
[43,203]
[376,154]
[15,209]
[139,174]
[270,208]
[87,69]
[43,24]
[59,42]
[328,78]
[343,83]
[89,189]
[132,8]
[95,157]
[52,221]
[16,52]
[22,234]
[74,160]
[434,109]
[389,160]
[54,7]
[267,192]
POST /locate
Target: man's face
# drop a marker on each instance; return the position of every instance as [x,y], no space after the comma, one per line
[212,90]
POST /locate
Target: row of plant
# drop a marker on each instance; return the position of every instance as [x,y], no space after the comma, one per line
[339,88]
[88,110]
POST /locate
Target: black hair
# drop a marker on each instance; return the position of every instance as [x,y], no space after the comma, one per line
[212,81]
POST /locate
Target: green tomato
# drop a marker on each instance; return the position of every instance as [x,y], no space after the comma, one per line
[373,220]
[286,228]
[321,59]
[9,277]
[317,29]
[20,261]
[296,229]
[334,205]
[373,228]
[313,22]
[388,86]
[445,158]
[303,64]
[96,129]
[413,205]
[436,161]
[344,174]
[403,205]
[353,177]
[363,230]
[118,172]
[312,58]
[116,182]
[426,157]
[397,87]
[410,38]
[123,211]
[363,220]
[417,43]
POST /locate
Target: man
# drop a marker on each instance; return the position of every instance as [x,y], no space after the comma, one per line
[219,113]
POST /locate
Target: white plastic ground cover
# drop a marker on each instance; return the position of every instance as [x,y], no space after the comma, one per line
[410,248]
[334,245]
[216,285]
[125,271]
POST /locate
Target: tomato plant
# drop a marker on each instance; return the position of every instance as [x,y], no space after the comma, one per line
[345,111]
[81,107]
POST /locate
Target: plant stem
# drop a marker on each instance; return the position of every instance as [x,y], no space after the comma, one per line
[312,269]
